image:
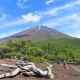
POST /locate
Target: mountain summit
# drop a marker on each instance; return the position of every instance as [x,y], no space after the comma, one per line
[35,32]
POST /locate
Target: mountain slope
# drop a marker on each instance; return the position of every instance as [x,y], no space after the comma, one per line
[35,32]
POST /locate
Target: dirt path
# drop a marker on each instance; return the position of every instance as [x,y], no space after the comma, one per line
[75,68]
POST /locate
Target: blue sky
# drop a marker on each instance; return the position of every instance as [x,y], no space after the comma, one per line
[18,15]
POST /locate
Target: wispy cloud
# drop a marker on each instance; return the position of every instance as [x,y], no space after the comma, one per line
[4,17]
[69,20]
[72,21]
[55,11]
[49,1]
[21,3]
[67,23]
[30,17]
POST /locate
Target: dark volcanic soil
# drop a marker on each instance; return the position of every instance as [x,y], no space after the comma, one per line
[59,72]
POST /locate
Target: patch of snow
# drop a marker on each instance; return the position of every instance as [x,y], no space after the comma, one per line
[39,27]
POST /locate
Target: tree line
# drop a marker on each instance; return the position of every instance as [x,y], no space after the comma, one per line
[41,51]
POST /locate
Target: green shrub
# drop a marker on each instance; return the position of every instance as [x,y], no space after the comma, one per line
[36,59]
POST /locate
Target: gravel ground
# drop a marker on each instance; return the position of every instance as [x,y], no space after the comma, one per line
[59,72]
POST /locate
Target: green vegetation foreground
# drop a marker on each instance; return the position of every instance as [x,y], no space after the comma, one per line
[43,50]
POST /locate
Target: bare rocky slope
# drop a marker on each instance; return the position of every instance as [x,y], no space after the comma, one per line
[34,32]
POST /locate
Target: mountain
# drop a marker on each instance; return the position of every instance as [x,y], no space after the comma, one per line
[35,32]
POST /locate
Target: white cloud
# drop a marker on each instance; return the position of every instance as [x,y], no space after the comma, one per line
[49,1]
[55,11]
[4,17]
[71,20]
[20,4]
[30,17]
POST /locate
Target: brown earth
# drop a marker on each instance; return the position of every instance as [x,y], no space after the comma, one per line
[59,72]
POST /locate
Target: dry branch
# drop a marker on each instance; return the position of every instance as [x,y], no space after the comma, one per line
[28,69]
[11,74]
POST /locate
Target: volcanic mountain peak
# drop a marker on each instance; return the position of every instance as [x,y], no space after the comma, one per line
[35,32]
[35,29]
